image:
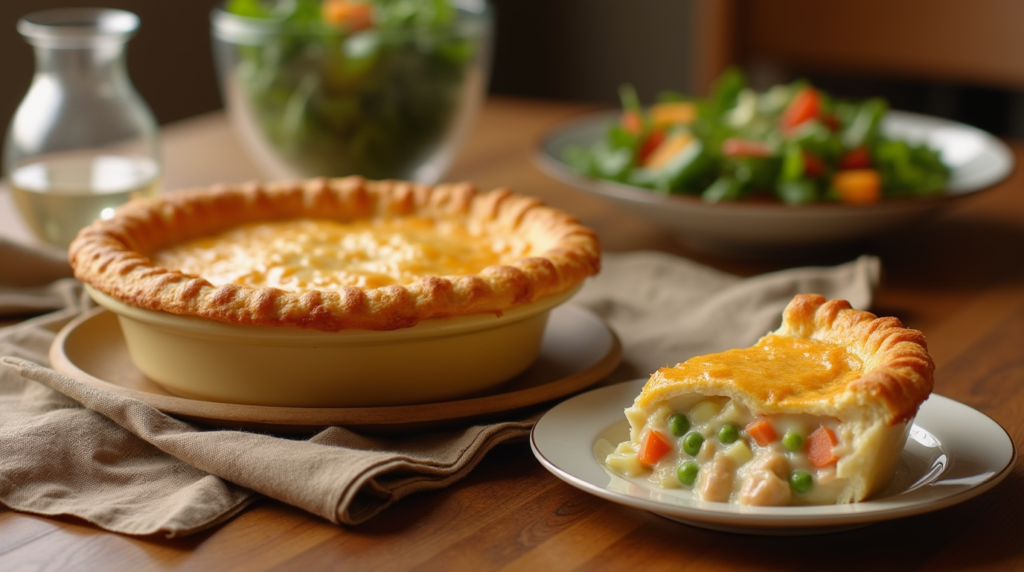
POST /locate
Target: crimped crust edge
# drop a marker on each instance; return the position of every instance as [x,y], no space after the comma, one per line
[112,255]
[897,375]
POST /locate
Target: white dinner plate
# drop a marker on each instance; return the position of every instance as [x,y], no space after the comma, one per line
[978,161]
[954,453]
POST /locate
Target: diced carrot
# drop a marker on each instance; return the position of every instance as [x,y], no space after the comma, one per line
[813,166]
[806,105]
[347,14]
[653,447]
[735,148]
[669,148]
[820,447]
[653,141]
[858,186]
[632,122]
[675,113]
[859,158]
[762,431]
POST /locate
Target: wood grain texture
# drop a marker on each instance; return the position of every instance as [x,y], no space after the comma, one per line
[958,278]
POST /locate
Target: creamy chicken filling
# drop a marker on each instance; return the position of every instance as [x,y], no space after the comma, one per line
[725,453]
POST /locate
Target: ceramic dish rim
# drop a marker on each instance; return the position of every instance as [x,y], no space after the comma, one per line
[425,329]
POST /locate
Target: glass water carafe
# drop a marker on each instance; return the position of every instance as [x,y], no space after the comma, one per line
[83,141]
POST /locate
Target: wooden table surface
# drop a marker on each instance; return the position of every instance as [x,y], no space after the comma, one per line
[959,278]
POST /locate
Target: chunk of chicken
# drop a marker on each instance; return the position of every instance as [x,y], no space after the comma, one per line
[764,488]
[716,477]
[771,461]
[707,452]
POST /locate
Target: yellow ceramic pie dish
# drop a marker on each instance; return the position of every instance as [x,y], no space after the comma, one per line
[334,293]
[435,360]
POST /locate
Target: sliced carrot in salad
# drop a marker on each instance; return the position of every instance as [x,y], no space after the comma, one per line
[632,122]
[805,105]
[347,14]
[675,113]
[653,448]
[761,430]
[821,447]
[858,186]
[735,148]
[668,149]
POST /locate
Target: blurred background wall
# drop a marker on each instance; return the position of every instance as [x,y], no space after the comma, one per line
[584,49]
[944,57]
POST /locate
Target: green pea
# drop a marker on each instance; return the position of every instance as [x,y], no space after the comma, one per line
[728,433]
[692,443]
[792,441]
[801,481]
[678,424]
[687,473]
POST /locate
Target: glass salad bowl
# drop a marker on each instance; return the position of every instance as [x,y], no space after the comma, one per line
[385,89]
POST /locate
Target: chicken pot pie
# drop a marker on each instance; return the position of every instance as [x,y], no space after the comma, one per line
[816,412]
[335,254]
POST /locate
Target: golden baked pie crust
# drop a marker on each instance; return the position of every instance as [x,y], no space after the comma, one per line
[896,375]
[113,255]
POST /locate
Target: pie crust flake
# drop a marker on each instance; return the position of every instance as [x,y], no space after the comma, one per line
[816,412]
[335,254]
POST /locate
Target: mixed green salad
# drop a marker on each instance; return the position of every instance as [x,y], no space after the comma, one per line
[792,143]
[365,87]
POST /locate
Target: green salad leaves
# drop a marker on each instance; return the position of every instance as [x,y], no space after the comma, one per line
[339,87]
[792,143]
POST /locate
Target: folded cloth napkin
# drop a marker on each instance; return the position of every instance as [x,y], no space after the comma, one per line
[67,448]
[667,309]
[35,279]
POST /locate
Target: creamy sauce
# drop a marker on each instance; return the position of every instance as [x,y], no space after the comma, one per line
[301,255]
[730,471]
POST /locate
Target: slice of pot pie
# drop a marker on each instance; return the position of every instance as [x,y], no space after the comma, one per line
[335,254]
[816,412]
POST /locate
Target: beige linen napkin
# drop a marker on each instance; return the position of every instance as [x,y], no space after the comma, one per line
[34,280]
[667,309]
[71,449]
